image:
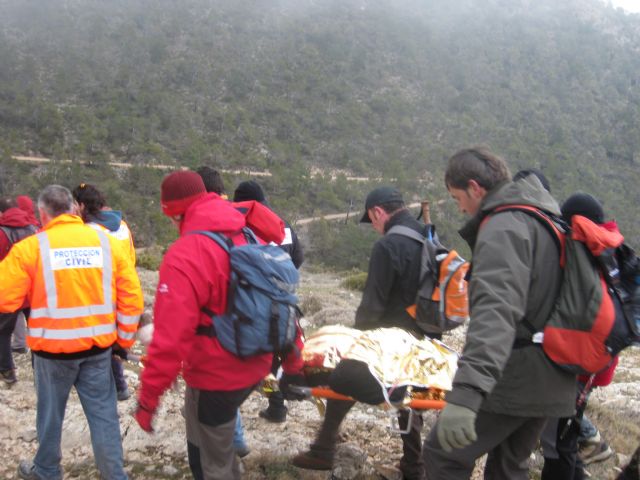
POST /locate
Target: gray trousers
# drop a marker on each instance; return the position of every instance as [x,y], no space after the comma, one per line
[508,440]
[213,444]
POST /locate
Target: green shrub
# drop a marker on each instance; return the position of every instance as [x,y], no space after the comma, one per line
[355,281]
[149,258]
[310,304]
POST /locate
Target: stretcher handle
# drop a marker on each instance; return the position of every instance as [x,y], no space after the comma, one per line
[320,392]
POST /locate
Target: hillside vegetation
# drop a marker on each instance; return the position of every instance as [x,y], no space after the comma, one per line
[380,88]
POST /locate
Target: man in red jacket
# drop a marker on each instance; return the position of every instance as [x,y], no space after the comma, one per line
[194,274]
[15,225]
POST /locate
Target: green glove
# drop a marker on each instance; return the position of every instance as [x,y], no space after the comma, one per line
[456,427]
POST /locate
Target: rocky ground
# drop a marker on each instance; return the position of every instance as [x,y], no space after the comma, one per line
[367,451]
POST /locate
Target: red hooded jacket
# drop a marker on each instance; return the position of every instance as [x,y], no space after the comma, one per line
[26,204]
[194,274]
[605,377]
[13,218]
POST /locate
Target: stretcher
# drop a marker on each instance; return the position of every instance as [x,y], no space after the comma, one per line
[412,374]
[323,392]
[316,394]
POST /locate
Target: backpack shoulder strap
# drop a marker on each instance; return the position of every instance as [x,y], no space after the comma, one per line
[250,236]
[406,232]
[225,242]
[556,227]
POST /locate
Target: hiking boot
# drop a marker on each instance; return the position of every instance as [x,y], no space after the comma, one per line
[274,416]
[311,460]
[123,395]
[595,453]
[26,470]
[9,376]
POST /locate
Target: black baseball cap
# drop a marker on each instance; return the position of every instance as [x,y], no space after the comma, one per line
[380,196]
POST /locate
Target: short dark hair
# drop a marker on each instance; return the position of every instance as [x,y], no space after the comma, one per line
[477,163]
[585,205]
[533,171]
[249,190]
[90,197]
[212,179]
[55,200]
[6,203]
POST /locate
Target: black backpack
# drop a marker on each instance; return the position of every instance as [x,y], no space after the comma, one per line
[15,234]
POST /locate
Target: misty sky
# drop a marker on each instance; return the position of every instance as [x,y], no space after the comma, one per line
[629,5]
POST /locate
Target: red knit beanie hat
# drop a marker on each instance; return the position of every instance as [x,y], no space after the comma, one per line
[179,190]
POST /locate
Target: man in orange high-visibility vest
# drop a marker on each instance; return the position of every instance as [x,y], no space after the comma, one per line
[85,296]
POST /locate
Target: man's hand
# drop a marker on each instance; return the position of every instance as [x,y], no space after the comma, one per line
[144,416]
[456,427]
[288,379]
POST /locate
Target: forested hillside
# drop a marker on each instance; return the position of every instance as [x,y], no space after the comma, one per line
[381,88]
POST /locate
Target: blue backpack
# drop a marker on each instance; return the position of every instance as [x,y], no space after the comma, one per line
[262,312]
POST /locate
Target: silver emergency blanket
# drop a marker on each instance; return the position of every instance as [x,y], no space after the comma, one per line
[394,357]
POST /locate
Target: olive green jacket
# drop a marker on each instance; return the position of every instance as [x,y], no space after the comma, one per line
[515,275]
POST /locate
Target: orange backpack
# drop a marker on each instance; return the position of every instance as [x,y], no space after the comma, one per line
[442,301]
[596,312]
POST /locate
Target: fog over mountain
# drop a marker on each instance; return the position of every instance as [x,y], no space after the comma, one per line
[378,88]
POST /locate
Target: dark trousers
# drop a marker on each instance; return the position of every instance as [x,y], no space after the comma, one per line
[118,373]
[508,440]
[7,324]
[560,448]
[560,440]
[411,463]
[276,399]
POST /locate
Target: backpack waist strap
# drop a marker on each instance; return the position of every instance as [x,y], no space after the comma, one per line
[535,339]
[206,330]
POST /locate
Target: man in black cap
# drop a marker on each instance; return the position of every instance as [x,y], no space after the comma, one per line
[276,412]
[391,286]
[251,190]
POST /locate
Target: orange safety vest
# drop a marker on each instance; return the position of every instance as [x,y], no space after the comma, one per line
[123,235]
[82,287]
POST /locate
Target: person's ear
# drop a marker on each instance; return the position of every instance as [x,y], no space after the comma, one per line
[475,189]
[374,213]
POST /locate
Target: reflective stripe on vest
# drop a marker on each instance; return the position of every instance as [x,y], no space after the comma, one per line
[72,334]
[126,335]
[52,310]
[127,319]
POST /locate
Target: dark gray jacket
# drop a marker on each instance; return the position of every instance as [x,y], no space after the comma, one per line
[515,275]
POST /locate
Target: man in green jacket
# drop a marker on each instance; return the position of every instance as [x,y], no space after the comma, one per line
[505,387]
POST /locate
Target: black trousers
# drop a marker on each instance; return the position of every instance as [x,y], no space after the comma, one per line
[7,324]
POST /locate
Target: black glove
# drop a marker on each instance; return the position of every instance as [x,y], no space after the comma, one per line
[289,379]
[117,350]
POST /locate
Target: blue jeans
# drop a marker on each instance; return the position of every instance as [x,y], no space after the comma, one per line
[587,429]
[238,433]
[93,380]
